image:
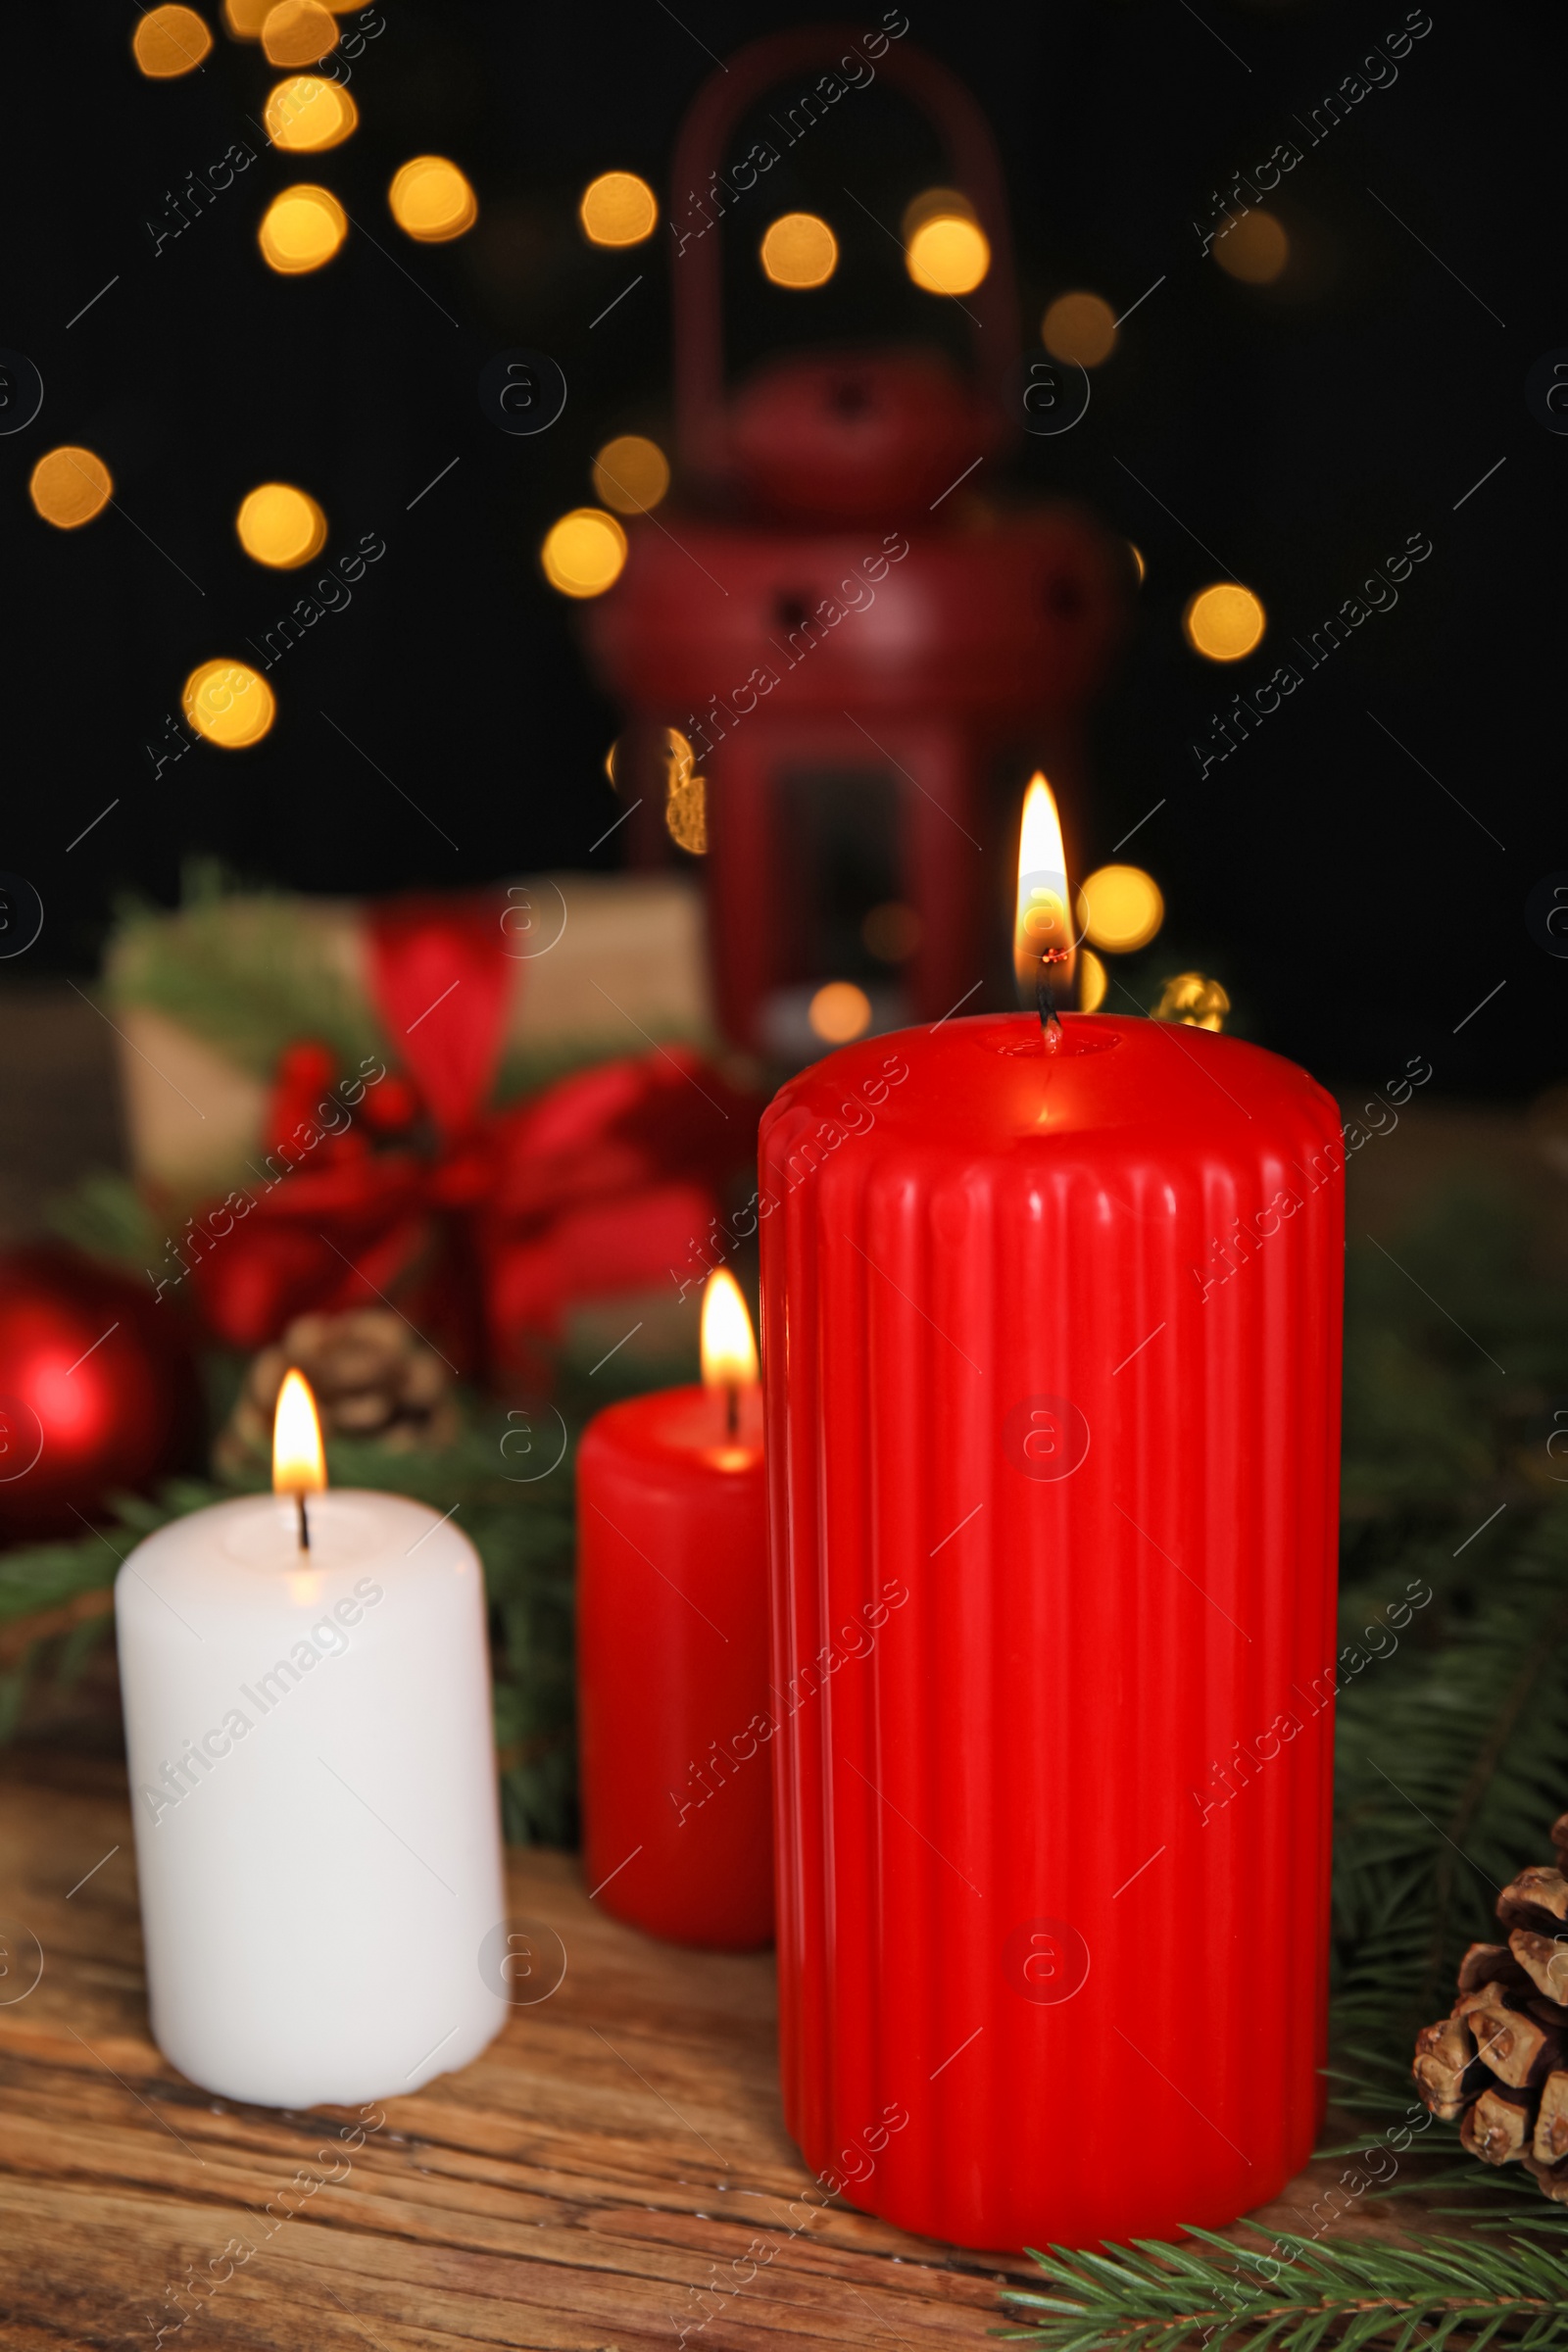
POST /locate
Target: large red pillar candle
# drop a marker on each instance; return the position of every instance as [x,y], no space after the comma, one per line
[1052,1338]
[672,1672]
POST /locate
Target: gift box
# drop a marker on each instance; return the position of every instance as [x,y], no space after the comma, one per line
[208,998]
[485,1109]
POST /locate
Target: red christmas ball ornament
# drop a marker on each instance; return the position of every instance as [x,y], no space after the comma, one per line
[98,1390]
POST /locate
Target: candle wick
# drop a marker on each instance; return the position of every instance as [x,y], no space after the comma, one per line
[1045,1000]
[732,1411]
[305,1525]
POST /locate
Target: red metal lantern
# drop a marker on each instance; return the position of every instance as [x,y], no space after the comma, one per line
[850,638]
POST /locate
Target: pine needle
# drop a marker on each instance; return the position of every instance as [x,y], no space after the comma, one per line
[1304,2297]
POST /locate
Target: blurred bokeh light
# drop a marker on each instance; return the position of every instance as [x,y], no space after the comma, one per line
[799,250]
[840,1011]
[298,32]
[632,473]
[1080,329]
[1093,980]
[1194,1000]
[432,200]
[69,487]
[583,552]
[280,526]
[617,209]
[229,703]
[1120,908]
[169,42]
[685,795]
[934,204]
[947,255]
[1224,622]
[301,229]
[306,114]
[1255,249]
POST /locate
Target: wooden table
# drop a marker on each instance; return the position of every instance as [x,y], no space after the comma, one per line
[613,2171]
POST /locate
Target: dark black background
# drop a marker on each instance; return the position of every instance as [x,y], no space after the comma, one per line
[1301,433]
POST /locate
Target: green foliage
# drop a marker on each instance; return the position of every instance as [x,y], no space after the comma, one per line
[1451,1765]
[1452,1753]
[249,972]
[41,1577]
[1304,2298]
[106,1217]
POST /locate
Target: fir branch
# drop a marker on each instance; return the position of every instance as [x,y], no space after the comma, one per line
[1149,2297]
[249,973]
[1451,1765]
[106,1217]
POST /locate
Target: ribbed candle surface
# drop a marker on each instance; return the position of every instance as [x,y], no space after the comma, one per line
[1051,1350]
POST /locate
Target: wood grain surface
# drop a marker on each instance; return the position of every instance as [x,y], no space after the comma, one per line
[613,2171]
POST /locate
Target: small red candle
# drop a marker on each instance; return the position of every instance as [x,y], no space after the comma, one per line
[672,1695]
[1054,1338]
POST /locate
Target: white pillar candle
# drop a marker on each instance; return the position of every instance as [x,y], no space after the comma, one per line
[313,1782]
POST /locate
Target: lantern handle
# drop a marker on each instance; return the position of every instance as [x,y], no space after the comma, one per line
[699,407]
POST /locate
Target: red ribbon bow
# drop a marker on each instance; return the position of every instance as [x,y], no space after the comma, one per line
[598,1184]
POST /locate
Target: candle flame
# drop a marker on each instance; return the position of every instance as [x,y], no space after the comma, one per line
[299,1466]
[1044,947]
[729,1351]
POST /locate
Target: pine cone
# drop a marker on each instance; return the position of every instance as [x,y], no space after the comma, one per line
[1498,2064]
[372,1376]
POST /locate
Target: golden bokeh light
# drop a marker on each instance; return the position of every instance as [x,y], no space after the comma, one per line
[299,1464]
[685,795]
[890,932]
[799,250]
[632,473]
[610,757]
[229,703]
[1137,554]
[245,17]
[1093,980]
[280,526]
[947,255]
[1120,908]
[1255,249]
[432,200]
[617,209]
[728,1345]
[583,552]
[1224,622]
[1080,329]
[1194,1000]
[934,204]
[306,115]
[298,32]
[301,229]
[840,1011]
[69,487]
[169,42]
